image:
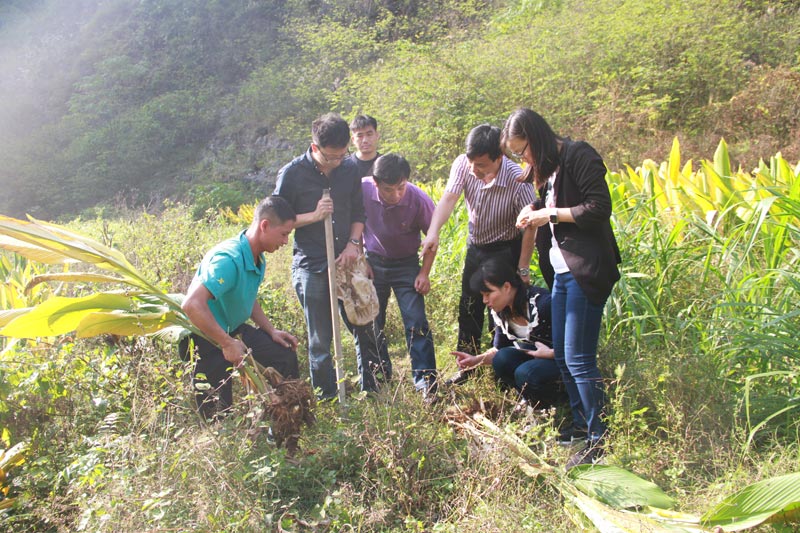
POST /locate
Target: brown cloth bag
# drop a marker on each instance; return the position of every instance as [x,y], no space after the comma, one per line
[357,292]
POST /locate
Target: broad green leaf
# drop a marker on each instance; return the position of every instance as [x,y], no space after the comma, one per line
[757,503]
[72,277]
[722,162]
[124,324]
[609,520]
[61,315]
[70,244]
[618,488]
[172,334]
[33,252]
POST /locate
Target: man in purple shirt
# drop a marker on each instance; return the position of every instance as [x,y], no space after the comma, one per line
[397,211]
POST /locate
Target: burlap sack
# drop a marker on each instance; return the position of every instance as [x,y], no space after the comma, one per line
[357,292]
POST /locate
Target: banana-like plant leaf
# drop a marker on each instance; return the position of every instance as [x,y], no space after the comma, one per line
[172,334]
[7,315]
[58,239]
[61,315]
[33,252]
[774,499]
[72,277]
[124,324]
[609,520]
[618,488]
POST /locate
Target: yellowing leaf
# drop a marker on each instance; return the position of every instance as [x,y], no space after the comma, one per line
[124,324]
[61,315]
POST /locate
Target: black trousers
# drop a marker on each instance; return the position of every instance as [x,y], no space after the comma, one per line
[470,306]
[211,380]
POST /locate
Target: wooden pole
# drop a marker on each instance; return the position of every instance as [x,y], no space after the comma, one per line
[337,337]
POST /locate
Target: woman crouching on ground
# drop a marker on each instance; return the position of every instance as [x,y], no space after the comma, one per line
[521,355]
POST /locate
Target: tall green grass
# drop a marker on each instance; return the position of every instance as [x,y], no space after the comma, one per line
[700,348]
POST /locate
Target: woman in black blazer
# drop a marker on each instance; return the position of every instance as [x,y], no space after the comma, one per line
[578,256]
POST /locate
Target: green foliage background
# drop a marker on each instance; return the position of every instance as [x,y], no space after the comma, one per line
[130,102]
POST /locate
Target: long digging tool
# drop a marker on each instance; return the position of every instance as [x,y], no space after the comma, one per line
[337,336]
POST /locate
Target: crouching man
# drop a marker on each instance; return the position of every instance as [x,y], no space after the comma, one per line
[222,296]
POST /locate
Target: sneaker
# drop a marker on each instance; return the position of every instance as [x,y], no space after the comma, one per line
[590,455]
[571,434]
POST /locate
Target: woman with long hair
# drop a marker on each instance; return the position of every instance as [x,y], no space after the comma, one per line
[521,354]
[578,257]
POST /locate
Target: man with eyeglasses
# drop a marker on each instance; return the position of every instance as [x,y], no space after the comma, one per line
[365,136]
[326,165]
[494,198]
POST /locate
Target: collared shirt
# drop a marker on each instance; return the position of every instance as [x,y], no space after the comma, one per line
[393,231]
[232,277]
[492,207]
[301,184]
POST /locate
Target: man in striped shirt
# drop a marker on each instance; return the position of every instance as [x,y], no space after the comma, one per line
[494,198]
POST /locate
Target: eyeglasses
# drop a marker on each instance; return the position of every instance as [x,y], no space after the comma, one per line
[333,158]
[519,155]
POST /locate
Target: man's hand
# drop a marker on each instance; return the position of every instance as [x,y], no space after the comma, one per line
[324,208]
[284,338]
[422,284]
[348,255]
[429,244]
[466,361]
[233,351]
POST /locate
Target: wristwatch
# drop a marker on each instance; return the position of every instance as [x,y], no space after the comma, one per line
[356,242]
[524,271]
[554,218]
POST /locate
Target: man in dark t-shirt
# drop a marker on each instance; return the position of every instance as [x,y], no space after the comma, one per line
[365,137]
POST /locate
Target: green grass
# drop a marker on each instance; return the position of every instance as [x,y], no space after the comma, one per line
[699,348]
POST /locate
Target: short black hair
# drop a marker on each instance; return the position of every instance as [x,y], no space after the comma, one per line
[391,169]
[330,130]
[363,121]
[484,139]
[276,209]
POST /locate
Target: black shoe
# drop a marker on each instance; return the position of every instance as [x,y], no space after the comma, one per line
[590,455]
[572,434]
[459,377]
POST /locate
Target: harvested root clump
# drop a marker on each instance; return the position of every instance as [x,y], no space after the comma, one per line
[289,404]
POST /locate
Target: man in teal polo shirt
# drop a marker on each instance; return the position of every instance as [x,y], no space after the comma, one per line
[222,297]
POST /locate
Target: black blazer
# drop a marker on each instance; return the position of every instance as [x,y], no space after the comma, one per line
[588,245]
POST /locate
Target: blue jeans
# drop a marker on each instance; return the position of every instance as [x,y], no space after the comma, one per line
[312,291]
[536,379]
[576,329]
[399,275]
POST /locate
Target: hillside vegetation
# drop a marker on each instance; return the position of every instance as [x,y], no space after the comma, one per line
[699,350]
[130,102]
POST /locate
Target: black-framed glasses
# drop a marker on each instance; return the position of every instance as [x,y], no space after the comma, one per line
[520,155]
[332,158]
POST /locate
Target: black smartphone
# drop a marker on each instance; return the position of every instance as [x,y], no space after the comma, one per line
[524,345]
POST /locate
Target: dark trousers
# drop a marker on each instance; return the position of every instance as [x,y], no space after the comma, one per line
[212,373]
[470,307]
